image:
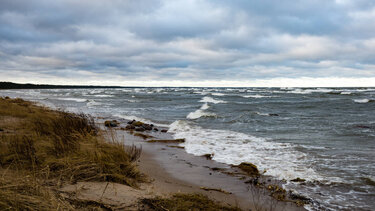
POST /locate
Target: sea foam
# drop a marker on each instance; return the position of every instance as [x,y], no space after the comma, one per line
[280,160]
[211,100]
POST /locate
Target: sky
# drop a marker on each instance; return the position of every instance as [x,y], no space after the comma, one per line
[188,42]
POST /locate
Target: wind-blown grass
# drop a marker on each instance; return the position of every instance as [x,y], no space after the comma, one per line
[51,148]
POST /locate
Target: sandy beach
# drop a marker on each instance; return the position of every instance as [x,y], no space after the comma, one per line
[173,170]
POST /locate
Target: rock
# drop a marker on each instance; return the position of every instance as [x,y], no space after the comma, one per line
[164,131]
[181,140]
[129,127]
[208,156]
[298,180]
[147,127]
[137,123]
[249,168]
[1,129]
[140,129]
[273,115]
[131,122]
[112,123]
[155,129]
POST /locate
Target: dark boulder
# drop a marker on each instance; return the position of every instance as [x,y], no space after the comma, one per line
[164,131]
[155,129]
[139,129]
[137,123]
[208,156]
[298,180]
[130,127]
[249,168]
[147,127]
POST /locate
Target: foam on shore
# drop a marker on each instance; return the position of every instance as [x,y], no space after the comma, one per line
[280,160]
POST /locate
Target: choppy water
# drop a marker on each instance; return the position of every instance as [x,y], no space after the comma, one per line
[324,135]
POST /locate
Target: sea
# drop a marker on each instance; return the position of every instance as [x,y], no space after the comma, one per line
[323,135]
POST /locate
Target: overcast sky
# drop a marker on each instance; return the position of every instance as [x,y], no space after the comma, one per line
[188,42]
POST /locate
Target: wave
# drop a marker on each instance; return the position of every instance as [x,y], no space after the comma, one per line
[363,100]
[264,114]
[211,100]
[218,94]
[102,95]
[310,91]
[92,103]
[280,160]
[78,100]
[201,93]
[346,93]
[255,96]
[201,113]
[95,91]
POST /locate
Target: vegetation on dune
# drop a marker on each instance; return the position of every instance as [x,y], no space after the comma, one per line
[41,149]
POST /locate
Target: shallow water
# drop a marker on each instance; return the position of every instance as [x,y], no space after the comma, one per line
[323,135]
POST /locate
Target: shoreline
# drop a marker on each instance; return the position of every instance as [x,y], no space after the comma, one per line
[174,170]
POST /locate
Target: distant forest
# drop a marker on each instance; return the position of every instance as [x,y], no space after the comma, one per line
[10,85]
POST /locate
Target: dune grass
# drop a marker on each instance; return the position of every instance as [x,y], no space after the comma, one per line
[41,149]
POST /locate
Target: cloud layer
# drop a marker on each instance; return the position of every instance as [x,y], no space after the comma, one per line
[113,42]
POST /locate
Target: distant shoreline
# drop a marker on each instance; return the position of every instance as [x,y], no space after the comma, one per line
[10,85]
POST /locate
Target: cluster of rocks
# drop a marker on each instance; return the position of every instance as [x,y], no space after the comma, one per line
[134,125]
[140,126]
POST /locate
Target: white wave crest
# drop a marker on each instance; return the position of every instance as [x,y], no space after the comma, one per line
[346,93]
[218,94]
[201,112]
[211,100]
[309,91]
[78,100]
[262,114]
[103,95]
[201,93]
[92,103]
[362,100]
[255,96]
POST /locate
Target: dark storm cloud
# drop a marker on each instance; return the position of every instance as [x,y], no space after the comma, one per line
[185,40]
